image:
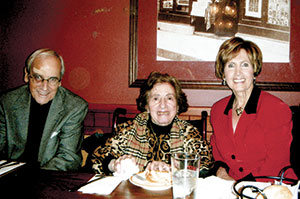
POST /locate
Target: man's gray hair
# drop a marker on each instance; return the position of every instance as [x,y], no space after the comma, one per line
[47,52]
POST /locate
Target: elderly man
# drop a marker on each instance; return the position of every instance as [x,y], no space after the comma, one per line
[41,122]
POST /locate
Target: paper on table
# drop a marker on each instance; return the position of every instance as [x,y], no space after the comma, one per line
[9,167]
[102,187]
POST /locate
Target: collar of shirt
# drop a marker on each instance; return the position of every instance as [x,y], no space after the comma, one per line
[251,105]
[159,130]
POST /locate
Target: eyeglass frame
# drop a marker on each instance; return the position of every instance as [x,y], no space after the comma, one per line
[35,76]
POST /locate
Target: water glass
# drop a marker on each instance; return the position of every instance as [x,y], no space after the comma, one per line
[185,171]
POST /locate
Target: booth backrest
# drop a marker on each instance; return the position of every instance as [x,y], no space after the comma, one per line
[100,116]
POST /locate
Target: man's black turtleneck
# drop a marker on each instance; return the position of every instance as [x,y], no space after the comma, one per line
[37,120]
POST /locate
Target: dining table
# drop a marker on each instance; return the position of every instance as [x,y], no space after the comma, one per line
[56,184]
[36,183]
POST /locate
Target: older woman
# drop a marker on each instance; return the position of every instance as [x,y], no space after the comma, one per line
[252,128]
[155,133]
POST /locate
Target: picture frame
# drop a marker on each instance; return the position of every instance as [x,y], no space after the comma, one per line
[200,74]
[253,8]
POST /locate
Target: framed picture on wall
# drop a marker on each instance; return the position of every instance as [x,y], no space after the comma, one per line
[278,12]
[253,8]
[199,74]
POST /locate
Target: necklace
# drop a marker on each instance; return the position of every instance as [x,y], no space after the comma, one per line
[239,111]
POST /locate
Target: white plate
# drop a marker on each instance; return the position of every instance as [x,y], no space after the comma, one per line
[139,180]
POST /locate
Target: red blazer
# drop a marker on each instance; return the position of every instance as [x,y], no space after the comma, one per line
[261,143]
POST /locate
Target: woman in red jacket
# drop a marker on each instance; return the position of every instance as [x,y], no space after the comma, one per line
[252,128]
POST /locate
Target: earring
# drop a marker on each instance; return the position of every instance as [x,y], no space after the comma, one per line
[254,80]
[224,82]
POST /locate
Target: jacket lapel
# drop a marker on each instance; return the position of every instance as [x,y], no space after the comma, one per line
[51,129]
[19,126]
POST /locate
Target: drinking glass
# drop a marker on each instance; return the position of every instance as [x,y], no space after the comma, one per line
[185,171]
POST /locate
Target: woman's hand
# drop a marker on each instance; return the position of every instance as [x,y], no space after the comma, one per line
[124,165]
[222,173]
[158,166]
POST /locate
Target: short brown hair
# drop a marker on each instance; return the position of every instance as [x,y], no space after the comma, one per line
[154,78]
[230,49]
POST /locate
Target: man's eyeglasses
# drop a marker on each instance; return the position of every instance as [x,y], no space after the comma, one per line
[37,79]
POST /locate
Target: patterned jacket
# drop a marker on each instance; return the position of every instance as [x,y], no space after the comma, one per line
[135,138]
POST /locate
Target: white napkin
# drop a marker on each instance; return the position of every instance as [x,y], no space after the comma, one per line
[295,190]
[263,185]
[106,185]
[128,169]
[102,187]
[214,188]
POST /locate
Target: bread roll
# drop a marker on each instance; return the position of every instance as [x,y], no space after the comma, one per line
[276,192]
